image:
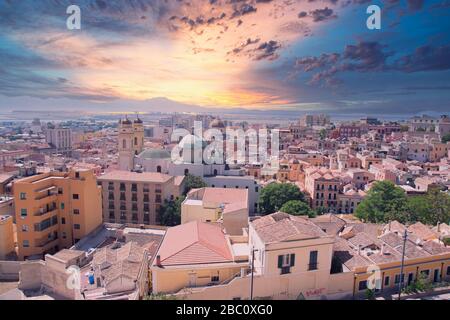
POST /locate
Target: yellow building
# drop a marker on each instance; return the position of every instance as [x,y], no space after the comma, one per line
[227,205]
[6,236]
[54,210]
[196,254]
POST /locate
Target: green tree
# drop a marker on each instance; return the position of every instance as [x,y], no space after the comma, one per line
[431,208]
[193,182]
[439,203]
[298,208]
[170,212]
[275,195]
[323,134]
[384,201]
[446,138]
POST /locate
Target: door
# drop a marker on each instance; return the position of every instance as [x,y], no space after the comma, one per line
[436,275]
[192,279]
[410,278]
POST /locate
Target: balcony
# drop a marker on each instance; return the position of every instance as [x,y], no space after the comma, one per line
[46,211]
[46,192]
[46,241]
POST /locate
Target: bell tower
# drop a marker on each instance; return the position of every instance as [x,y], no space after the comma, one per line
[131,142]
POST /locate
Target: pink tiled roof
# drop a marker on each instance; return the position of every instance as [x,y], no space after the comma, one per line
[194,242]
[119,175]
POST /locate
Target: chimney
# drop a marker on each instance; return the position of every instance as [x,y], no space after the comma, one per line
[158,260]
[359,249]
[383,249]
[389,226]
[438,226]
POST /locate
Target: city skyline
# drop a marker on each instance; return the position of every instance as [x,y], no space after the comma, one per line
[259,55]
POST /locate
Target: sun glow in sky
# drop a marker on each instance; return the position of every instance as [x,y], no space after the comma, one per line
[226,53]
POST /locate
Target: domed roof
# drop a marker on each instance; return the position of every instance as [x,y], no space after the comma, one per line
[125,121]
[137,120]
[155,154]
[217,123]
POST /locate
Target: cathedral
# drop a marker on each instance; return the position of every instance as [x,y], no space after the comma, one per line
[131,142]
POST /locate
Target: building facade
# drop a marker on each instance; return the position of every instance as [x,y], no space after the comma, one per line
[55,210]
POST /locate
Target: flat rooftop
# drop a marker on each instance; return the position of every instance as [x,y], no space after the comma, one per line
[135,176]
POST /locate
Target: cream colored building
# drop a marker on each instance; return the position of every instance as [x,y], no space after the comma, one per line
[133,197]
[55,210]
[226,205]
[6,237]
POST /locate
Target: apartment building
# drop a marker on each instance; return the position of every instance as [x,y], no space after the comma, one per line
[59,138]
[54,210]
[6,237]
[133,197]
[323,186]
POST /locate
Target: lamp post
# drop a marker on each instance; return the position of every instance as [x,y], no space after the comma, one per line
[251,279]
[400,285]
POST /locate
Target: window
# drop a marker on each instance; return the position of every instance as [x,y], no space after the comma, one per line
[158,198]
[448,270]
[362,285]
[122,187]
[23,212]
[76,211]
[23,196]
[24,228]
[76,226]
[134,187]
[77,175]
[215,278]
[425,273]
[62,205]
[64,235]
[386,281]
[60,190]
[63,220]
[75,196]
[313,260]
[26,243]
[397,278]
[122,196]
[285,262]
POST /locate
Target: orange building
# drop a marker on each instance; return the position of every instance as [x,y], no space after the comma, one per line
[54,210]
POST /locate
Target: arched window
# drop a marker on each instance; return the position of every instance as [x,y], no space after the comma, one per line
[135,141]
[158,169]
[124,144]
[215,172]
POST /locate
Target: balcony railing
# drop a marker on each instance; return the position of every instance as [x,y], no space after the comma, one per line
[44,211]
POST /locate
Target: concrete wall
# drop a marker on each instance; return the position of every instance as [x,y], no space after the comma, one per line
[31,275]
[9,270]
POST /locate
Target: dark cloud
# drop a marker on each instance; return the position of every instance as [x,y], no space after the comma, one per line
[242,10]
[267,50]
[425,58]
[415,4]
[322,14]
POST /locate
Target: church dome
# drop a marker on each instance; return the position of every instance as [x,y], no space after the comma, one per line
[217,123]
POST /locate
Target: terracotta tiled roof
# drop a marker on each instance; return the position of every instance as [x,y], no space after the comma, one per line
[281,226]
[422,231]
[194,242]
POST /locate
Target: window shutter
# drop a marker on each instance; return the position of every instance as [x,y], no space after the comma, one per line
[292,259]
[280,261]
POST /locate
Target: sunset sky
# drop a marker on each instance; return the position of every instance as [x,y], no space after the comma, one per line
[260,54]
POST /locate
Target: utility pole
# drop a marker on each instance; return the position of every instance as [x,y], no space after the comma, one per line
[251,281]
[400,285]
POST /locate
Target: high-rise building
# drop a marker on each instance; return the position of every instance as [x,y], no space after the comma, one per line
[59,138]
[54,210]
[131,142]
